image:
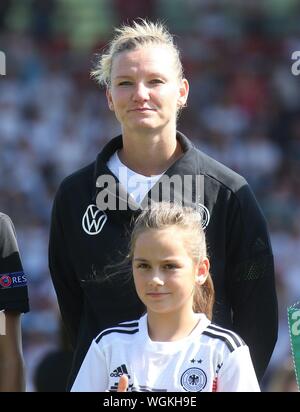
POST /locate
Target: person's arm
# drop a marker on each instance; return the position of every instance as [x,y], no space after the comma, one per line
[92,375]
[237,373]
[11,354]
[13,285]
[250,272]
[68,290]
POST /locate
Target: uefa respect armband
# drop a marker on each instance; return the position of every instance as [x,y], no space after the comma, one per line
[294,328]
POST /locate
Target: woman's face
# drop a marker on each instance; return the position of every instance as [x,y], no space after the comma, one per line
[145,91]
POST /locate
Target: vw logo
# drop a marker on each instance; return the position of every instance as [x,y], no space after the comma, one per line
[93,220]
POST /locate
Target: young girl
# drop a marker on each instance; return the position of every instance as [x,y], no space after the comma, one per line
[174,346]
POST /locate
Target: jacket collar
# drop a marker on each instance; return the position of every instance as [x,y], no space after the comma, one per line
[185,165]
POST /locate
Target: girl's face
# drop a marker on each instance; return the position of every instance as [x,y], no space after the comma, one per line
[145,91]
[164,272]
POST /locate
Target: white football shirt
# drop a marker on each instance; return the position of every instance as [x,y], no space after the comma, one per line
[210,359]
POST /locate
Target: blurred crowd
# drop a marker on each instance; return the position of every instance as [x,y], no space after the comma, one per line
[243,109]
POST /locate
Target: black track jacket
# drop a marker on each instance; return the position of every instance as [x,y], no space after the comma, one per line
[83,240]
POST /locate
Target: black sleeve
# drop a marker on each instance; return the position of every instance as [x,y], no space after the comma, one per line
[68,291]
[13,282]
[250,269]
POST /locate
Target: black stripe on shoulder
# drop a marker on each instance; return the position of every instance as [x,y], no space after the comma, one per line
[237,339]
[218,336]
[128,324]
[115,330]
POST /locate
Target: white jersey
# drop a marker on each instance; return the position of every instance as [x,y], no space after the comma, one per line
[210,359]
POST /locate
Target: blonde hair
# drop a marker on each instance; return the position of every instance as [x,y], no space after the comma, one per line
[163,215]
[131,37]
